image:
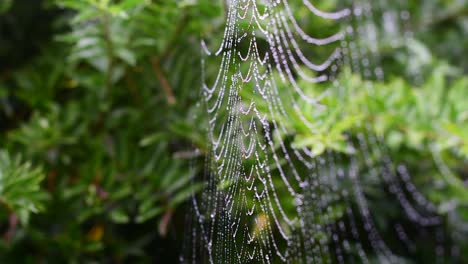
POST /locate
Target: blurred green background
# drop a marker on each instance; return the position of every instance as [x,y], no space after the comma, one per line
[100,116]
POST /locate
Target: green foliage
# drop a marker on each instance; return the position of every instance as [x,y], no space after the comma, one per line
[105,104]
[103,109]
[5,5]
[20,191]
[434,114]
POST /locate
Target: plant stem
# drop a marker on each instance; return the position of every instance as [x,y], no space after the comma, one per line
[155,63]
[110,53]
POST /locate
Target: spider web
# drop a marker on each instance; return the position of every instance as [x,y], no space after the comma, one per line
[270,199]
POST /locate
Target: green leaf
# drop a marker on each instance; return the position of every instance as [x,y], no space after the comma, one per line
[184,194]
[119,216]
[126,55]
[143,217]
[130,4]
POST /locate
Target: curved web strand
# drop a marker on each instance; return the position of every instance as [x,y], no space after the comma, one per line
[266,201]
[371,146]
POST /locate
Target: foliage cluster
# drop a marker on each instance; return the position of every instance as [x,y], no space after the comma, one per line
[100,116]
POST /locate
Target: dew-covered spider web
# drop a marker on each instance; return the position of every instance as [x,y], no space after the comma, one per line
[285,181]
